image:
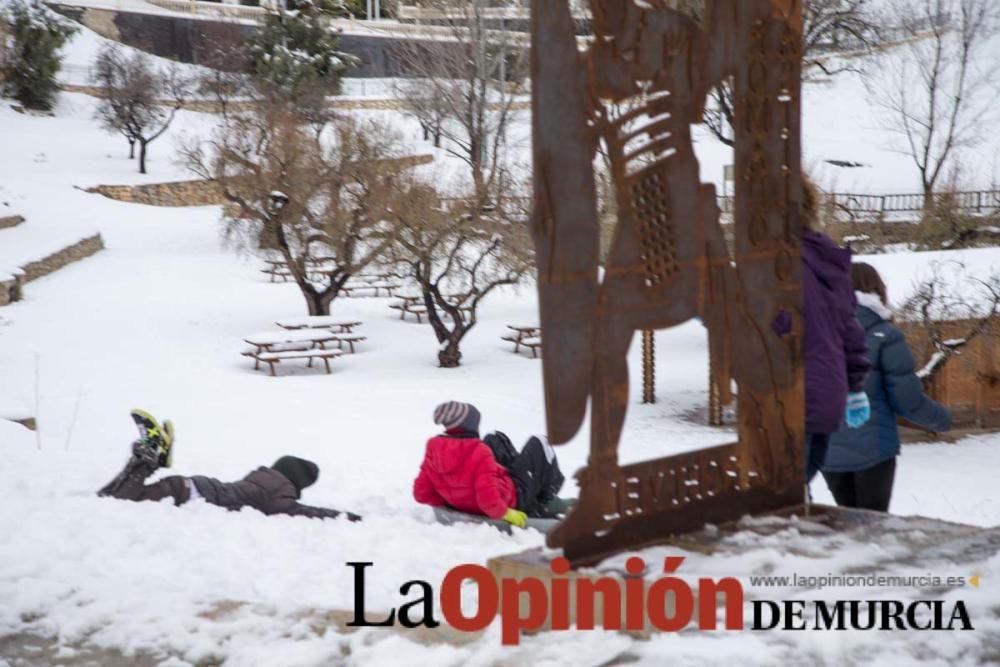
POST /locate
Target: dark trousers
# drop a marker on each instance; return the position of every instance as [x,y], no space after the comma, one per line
[816,446]
[130,484]
[537,479]
[869,489]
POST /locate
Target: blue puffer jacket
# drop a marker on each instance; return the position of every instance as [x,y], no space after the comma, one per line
[893,390]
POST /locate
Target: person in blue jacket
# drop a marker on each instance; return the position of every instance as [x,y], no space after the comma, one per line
[861,463]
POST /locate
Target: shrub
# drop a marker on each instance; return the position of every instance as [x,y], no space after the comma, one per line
[36,34]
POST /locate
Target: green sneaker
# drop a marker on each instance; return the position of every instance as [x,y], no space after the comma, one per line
[153,437]
[168,443]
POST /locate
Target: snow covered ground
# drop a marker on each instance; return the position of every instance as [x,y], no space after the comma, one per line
[157,319]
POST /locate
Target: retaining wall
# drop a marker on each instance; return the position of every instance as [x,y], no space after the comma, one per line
[10,221]
[177,193]
[57,260]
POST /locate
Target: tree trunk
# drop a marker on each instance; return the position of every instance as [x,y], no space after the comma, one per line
[317,303]
[450,356]
[142,157]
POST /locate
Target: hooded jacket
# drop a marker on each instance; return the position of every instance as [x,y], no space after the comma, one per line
[836,357]
[893,390]
[459,470]
[265,490]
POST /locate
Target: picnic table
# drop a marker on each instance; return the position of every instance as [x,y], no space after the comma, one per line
[529,336]
[372,277]
[414,305]
[335,324]
[274,346]
[349,288]
[277,272]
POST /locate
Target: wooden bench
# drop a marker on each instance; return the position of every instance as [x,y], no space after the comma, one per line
[277,273]
[529,336]
[272,358]
[350,340]
[534,343]
[331,323]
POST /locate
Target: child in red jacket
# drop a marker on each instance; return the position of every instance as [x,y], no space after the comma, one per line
[461,471]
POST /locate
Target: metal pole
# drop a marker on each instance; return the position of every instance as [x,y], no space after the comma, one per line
[378,9]
[368,9]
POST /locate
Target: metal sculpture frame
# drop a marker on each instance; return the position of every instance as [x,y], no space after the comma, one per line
[635,90]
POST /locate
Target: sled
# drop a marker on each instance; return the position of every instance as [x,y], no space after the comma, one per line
[449,517]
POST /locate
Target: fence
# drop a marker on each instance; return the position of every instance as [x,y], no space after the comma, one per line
[976,202]
[215,9]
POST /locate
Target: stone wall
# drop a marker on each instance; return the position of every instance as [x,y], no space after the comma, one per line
[10,290]
[177,193]
[10,221]
[57,260]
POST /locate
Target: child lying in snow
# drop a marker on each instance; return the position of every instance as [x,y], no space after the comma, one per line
[461,471]
[273,490]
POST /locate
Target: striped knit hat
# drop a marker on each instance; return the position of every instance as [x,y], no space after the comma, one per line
[454,414]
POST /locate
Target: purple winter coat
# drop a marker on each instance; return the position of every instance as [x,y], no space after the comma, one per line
[834,341]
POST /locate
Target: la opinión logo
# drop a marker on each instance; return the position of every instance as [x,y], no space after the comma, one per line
[634,604]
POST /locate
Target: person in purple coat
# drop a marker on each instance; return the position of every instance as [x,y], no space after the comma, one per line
[836,354]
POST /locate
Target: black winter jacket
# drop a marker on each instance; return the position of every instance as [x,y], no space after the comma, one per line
[266,490]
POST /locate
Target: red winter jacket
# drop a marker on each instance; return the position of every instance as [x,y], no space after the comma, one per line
[459,470]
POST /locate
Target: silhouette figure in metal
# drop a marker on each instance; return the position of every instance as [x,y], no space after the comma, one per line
[636,90]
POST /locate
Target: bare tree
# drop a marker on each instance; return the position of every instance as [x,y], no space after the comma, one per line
[951,297]
[833,26]
[829,26]
[324,200]
[463,89]
[458,255]
[938,87]
[224,78]
[138,99]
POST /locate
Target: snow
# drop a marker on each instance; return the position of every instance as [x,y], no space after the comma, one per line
[157,321]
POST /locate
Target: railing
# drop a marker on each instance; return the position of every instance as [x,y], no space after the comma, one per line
[977,201]
[217,9]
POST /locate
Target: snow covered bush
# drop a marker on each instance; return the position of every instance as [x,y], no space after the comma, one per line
[32,61]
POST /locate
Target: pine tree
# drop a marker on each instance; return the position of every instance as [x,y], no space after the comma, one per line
[32,60]
[294,58]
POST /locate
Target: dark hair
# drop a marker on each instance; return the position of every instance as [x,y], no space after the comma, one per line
[810,203]
[866,279]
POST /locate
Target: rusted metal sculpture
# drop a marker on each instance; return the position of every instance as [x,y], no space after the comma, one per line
[648,367]
[636,90]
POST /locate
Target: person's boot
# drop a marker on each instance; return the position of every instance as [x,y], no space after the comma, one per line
[161,439]
[167,458]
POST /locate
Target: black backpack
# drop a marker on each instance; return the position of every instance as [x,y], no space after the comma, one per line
[502,447]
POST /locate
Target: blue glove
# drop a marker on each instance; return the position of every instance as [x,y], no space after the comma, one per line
[859,411]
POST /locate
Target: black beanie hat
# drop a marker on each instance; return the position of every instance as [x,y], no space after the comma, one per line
[299,472]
